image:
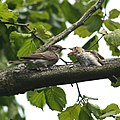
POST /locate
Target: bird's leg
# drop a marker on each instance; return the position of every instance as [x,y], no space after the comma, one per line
[65,61]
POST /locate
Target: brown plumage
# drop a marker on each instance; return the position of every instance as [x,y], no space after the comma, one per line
[42,59]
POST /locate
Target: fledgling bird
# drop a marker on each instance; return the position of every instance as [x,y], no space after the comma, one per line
[89,58]
[86,57]
[42,59]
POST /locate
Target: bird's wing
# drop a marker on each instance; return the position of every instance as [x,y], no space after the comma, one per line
[47,55]
[98,56]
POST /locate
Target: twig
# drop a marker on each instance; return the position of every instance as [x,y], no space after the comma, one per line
[79,94]
[77,24]
[27,27]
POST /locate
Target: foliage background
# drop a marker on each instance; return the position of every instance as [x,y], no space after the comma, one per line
[54,21]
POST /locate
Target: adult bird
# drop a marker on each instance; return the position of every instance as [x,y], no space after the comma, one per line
[42,59]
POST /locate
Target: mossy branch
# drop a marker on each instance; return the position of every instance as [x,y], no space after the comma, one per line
[18,80]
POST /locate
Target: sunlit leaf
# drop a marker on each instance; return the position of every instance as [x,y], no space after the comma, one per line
[56,98]
[36,24]
[82,32]
[6,15]
[18,39]
[28,47]
[43,33]
[71,113]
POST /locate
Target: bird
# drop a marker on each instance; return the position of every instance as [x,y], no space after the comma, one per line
[89,58]
[42,59]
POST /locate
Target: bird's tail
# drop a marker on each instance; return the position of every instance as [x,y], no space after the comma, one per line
[16,62]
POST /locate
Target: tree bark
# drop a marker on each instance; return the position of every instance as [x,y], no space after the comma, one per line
[19,80]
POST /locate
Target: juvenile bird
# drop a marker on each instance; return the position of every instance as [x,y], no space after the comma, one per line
[89,58]
[42,59]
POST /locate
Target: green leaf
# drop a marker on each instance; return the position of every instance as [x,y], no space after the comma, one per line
[3,114]
[30,2]
[12,111]
[56,98]
[111,25]
[115,50]
[111,109]
[94,23]
[3,60]
[85,114]
[6,15]
[18,39]
[83,5]
[6,101]
[113,38]
[28,47]
[14,4]
[37,98]
[92,43]
[3,35]
[41,15]
[117,84]
[91,25]
[36,24]
[70,12]
[114,13]
[43,33]
[82,31]
[94,109]
[71,113]
[117,118]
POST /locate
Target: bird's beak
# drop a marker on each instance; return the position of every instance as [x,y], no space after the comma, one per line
[71,48]
[63,48]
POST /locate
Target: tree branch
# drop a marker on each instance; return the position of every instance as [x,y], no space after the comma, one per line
[67,31]
[15,80]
